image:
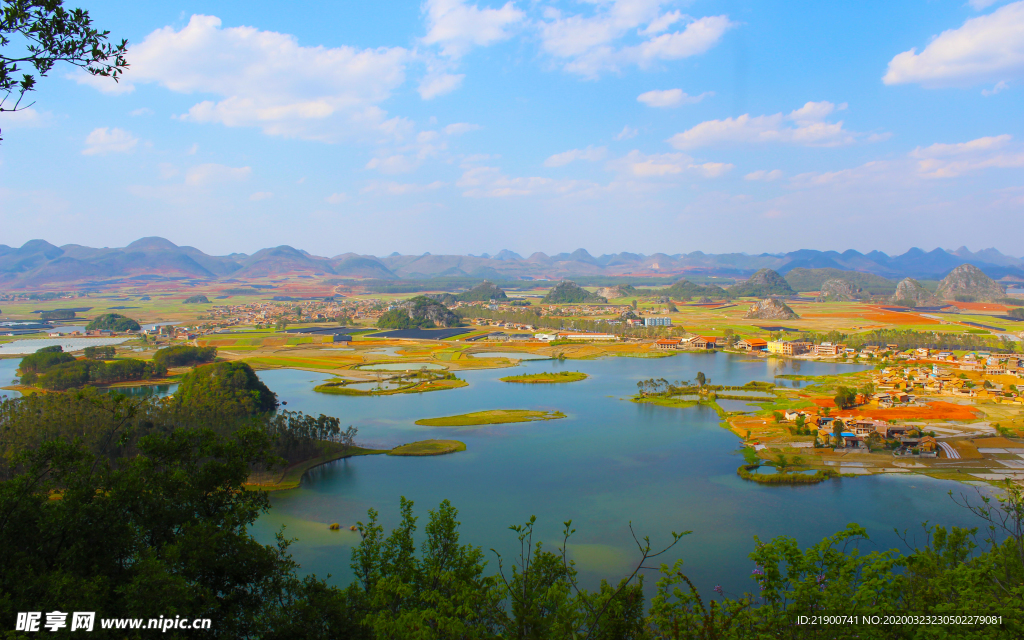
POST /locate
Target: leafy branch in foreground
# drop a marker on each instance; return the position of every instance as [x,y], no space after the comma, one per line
[48,33]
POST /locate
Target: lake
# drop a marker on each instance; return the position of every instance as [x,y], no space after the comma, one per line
[608,463]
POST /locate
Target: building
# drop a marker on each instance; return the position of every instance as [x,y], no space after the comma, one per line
[546,337]
[657,322]
[668,343]
[752,344]
[828,349]
[787,347]
[703,342]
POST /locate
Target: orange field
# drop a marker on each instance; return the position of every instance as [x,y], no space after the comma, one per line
[937,410]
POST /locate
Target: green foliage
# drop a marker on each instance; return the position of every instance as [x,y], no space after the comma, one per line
[226,389]
[51,34]
[82,372]
[198,299]
[184,356]
[112,322]
[483,292]
[801,279]
[567,292]
[1016,313]
[763,284]
[105,352]
[164,530]
[845,397]
[399,319]
[744,471]
[41,361]
[57,314]
[686,290]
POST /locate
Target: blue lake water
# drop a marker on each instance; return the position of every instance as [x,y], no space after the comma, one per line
[609,463]
[9,375]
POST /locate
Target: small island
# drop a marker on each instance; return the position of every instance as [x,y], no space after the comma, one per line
[547,378]
[428,448]
[496,416]
[414,382]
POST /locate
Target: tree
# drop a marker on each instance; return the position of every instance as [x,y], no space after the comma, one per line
[777,415]
[837,432]
[44,33]
[701,378]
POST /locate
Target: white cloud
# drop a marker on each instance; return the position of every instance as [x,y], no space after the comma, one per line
[193,150]
[980,5]
[457,27]
[336,198]
[763,175]
[953,160]
[103,141]
[589,44]
[434,85]
[489,182]
[626,133]
[400,188]
[167,170]
[591,154]
[24,118]
[985,49]
[141,112]
[804,126]
[105,85]
[659,165]
[670,98]
[1002,85]
[266,79]
[459,128]
[261,195]
[210,174]
[397,163]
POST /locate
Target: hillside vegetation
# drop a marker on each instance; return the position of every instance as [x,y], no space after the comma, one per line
[801,279]
[112,322]
[568,292]
[762,284]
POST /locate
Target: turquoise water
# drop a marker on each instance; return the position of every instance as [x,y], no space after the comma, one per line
[400,366]
[609,463]
[514,355]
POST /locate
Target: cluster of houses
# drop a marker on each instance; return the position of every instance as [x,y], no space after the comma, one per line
[897,384]
[856,432]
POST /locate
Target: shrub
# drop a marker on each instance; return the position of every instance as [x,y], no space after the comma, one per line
[185,356]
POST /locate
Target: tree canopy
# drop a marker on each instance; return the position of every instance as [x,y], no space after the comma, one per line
[112,322]
[40,33]
[225,388]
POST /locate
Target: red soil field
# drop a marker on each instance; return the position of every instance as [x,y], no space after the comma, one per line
[937,410]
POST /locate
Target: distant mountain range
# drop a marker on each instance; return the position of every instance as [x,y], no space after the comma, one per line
[39,263]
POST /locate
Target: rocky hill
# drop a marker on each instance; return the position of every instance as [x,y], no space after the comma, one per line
[770,309]
[762,284]
[911,293]
[618,291]
[837,291]
[483,292]
[967,283]
[423,310]
[567,292]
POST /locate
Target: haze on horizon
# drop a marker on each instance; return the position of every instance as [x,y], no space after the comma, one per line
[463,127]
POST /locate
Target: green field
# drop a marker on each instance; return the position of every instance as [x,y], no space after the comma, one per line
[547,378]
[496,416]
[428,448]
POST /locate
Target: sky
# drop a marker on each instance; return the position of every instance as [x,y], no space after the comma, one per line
[457,126]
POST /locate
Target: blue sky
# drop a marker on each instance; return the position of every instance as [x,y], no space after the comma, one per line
[470,127]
